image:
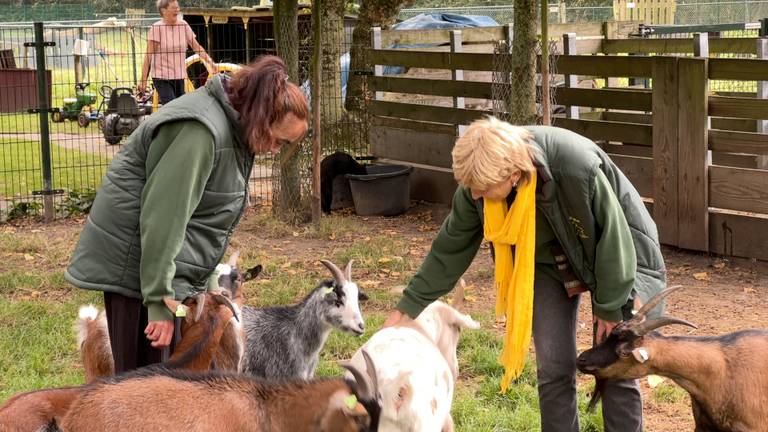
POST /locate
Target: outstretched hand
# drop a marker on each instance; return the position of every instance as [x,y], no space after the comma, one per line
[604,328]
[395,317]
[160,333]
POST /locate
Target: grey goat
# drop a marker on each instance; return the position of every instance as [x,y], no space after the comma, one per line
[284,342]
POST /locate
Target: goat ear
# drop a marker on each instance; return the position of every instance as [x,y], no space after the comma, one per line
[171,304]
[640,354]
[361,296]
[251,273]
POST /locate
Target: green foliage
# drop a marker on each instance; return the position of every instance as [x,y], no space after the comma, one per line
[24,209]
[78,202]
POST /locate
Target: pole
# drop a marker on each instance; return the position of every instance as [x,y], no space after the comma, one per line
[316,103]
[43,108]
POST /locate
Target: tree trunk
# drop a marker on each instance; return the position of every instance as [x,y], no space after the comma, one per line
[287,204]
[522,107]
[373,13]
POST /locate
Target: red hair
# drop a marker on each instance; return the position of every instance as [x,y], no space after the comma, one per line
[262,94]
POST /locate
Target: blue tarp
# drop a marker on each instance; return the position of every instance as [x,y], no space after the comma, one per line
[436,21]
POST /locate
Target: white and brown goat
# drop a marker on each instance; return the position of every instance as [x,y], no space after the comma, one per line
[174,400]
[726,376]
[417,367]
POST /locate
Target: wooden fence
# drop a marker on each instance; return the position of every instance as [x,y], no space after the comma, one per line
[698,158]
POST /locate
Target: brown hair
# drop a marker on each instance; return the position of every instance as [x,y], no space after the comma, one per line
[262,94]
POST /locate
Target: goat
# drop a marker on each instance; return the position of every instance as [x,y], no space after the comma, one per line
[417,367]
[226,354]
[39,409]
[337,164]
[173,400]
[724,375]
[284,342]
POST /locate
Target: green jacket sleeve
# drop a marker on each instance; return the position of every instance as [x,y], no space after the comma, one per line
[179,162]
[616,259]
[452,252]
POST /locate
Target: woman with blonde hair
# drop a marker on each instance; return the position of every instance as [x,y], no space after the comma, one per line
[562,219]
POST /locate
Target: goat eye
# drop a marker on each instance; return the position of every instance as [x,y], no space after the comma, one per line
[338,303]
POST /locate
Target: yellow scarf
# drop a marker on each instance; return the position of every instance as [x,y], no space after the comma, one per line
[514,277]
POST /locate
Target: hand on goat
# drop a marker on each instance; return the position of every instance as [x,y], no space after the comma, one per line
[395,317]
[160,333]
[603,329]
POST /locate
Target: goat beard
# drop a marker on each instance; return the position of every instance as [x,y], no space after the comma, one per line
[596,394]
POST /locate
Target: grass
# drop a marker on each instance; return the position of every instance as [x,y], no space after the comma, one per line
[669,393]
[22,170]
[37,310]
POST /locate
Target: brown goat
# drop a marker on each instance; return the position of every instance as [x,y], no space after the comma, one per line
[38,410]
[725,375]
[224,350]
[174,400]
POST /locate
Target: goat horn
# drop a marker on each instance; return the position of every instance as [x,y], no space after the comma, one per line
[335,271]
[221,299]
[200,298]
[348,270]
[368,386]
[661,321]
[655,300]
[233,259]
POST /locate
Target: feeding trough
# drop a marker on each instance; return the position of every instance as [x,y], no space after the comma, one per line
[383,191]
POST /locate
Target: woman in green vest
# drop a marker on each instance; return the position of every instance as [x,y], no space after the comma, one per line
[172,196]
[562,219]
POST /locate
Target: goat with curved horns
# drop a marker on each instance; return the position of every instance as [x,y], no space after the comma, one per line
[284,342]
[172,401]
[725,375]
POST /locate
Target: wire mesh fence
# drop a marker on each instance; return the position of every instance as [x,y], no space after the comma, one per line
[504,94]
[85,62]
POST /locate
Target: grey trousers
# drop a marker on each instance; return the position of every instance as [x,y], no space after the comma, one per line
[554,336]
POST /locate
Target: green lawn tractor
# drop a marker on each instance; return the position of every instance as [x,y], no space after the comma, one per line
[80,108]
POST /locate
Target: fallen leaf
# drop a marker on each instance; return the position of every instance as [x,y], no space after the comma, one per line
[749,290]
[384,260]
[395,274]
[28,257]
[471,299]
[703,276]
[654,381]
[286,265]
[295,233]
[719,265]
[369,284]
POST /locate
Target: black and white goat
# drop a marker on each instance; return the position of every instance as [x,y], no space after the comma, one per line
[284,342]
[726,375]
[172,401]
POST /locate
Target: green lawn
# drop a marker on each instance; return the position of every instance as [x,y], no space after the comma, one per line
[21,172]
[38,308]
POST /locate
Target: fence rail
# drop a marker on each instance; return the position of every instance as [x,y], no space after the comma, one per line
[661,137]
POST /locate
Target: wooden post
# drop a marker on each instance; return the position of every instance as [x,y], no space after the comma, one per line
[571,81]
[611,31]
[762,93]
[562,12]
[701,45]
[546,112]
[378,70]
[693,154]
[457,75]
[665,148]
[317,82]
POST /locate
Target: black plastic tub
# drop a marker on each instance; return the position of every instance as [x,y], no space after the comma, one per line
[384,191]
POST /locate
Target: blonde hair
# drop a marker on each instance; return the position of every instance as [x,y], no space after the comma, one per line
[490,151]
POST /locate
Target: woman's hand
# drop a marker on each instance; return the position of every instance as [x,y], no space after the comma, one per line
[160,333]
[604,328]
[395,317]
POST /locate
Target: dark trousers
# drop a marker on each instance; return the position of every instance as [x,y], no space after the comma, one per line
[127,319]
[168,90]
[554,336]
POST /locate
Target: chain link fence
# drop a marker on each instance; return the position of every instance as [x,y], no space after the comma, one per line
[503,93]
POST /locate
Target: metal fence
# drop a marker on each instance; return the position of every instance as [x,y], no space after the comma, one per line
[53,149]
[687,12]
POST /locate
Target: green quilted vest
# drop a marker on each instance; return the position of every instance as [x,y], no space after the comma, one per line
[108,254]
